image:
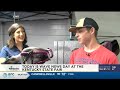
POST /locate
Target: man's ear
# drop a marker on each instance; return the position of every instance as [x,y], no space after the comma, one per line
[92,30]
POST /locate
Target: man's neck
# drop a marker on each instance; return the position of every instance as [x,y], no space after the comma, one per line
[92,46]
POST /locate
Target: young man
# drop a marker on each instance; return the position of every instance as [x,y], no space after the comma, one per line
[91,51]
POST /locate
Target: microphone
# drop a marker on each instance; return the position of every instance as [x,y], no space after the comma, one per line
[88,54]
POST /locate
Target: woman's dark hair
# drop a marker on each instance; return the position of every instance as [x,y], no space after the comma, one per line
[11,30]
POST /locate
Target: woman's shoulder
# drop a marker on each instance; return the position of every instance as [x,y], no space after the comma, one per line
[5,47]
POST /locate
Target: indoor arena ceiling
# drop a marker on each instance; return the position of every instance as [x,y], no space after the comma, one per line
[6,16]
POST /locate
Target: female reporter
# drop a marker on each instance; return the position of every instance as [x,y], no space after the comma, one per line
[16,42]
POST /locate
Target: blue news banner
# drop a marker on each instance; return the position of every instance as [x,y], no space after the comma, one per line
[104,72]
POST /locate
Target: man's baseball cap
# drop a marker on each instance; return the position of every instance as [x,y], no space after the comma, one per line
[84,22]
